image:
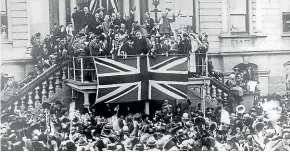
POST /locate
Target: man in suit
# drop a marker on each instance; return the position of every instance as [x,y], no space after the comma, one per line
[128,21]
[149,22]
[77,18]
[87,20]
[184,46]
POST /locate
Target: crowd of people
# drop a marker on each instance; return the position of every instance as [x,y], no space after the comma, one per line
[184,128]
[114,36]
[56,127]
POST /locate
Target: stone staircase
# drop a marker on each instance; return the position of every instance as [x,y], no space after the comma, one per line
[209,89]
[43,88]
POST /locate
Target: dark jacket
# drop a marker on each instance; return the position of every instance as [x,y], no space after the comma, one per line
[117,21]
[129,23]
[87,19]
[93,26]
[184,46]
[149,24]
[140,45]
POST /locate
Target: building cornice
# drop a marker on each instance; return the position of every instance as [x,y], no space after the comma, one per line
[252,53]
[17,61]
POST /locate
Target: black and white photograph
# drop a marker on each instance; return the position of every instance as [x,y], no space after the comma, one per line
[145,75]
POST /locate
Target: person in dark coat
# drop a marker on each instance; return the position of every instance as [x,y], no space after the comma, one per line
[149,22]
[128,21]
[249,76]
[55,31]
[140,44]
[184,46]
[118,20]
[36,50]
[62,32]
[77,18]
[96,25]
[87,19]
[210,67]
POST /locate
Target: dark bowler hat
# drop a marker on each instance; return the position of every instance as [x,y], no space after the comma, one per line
[100,143]
[71,146]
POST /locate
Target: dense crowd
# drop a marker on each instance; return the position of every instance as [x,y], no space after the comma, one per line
[263,127]
[56,127]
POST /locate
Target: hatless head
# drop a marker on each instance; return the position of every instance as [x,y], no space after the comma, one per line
[101,13]
[86,10]
[97,15]
[147,15]
[138,34]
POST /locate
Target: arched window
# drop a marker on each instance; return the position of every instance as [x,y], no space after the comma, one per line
[249,71]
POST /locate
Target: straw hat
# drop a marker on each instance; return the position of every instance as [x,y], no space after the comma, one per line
[185,116]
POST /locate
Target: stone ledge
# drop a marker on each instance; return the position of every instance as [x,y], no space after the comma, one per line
[257,52]
[15,61]
[228,36]
[285,35]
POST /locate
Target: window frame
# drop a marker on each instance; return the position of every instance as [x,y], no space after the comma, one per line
[7,21]
[247,18]
[284,13]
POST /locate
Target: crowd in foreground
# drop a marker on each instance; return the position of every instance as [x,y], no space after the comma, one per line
[58,128]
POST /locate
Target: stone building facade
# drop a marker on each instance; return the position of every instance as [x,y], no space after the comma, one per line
[241,32]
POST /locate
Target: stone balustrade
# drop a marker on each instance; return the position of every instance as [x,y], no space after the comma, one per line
[42,92]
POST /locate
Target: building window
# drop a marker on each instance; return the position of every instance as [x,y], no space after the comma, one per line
[239,20]
[286,22]
[4,20]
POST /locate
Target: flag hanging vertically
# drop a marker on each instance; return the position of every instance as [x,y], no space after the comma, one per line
[142,78]
[93,6]
[114,4]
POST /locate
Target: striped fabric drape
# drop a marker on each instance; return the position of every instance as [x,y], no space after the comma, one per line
[93,6]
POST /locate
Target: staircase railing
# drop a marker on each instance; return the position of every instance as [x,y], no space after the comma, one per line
[44,86]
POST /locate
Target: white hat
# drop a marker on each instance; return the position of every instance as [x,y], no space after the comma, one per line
[232,76]
[185,116]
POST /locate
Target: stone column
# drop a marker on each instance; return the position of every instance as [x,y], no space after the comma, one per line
[73,4]
[86,100]
[62,12]
[137,12]
[126,6]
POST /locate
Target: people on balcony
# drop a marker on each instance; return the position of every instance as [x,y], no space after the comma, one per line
[164,23]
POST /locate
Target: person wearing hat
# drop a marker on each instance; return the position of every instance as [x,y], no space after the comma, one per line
[94,46]
[139,147]
[184,46]
[249,75]
[148,22]
[151,144]
[96,24]
[11,88]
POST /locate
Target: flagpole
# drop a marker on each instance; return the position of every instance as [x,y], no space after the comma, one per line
[107,5]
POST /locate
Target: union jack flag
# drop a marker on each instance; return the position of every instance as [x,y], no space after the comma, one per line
[142,78]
